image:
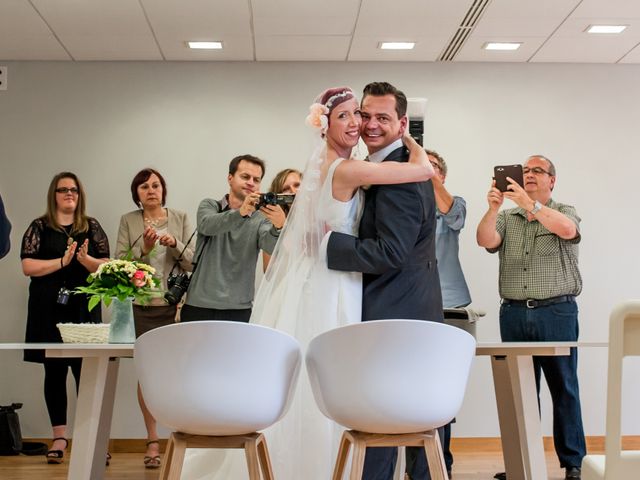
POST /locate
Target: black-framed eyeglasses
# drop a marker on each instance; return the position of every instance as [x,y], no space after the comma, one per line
[535,171]
[73,190]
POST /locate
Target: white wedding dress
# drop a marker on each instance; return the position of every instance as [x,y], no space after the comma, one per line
[304,301]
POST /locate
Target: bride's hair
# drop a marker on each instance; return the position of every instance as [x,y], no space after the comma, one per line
[332,97]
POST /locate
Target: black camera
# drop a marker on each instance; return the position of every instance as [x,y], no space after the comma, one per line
[272,198]
[63,296]
[178,283]
[416,130]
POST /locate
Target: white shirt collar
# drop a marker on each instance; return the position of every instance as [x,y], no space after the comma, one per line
[380,155]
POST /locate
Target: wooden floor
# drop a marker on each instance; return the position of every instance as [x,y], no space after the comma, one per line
[128,466]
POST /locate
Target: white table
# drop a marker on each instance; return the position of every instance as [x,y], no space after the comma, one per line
[95,400]
[517,401]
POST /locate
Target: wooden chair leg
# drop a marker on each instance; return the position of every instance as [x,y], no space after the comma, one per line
[357,465]
[435,457]
[166,464]
[343,455]
[177,457]
[263,457]
[251,453]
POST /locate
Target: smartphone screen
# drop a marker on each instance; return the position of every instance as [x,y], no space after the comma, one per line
[501,172]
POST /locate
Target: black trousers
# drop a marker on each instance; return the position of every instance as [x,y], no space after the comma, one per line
[189,313]
[55,386]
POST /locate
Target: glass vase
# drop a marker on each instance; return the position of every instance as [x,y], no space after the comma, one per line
[122,328]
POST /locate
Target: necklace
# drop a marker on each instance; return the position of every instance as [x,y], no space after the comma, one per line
[154,221]
[66,229]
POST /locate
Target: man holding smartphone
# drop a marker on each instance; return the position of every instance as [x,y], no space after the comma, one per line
[537,244]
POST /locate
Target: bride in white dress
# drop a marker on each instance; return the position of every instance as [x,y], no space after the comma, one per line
[301,296]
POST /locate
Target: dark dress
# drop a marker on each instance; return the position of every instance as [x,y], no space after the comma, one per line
[44,243]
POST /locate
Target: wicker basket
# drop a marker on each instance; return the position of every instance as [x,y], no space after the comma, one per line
[84,332]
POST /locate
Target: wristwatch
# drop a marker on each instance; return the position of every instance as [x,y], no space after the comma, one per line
[537,206]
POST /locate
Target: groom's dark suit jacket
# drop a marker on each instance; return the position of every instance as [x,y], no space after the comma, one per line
[395,251]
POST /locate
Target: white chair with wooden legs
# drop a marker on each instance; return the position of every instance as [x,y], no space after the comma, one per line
[216,384]
[391,383]
[624,341]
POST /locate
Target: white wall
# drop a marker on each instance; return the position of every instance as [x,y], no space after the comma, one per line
[105,121]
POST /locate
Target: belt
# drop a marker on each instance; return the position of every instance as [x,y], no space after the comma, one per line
[531,303]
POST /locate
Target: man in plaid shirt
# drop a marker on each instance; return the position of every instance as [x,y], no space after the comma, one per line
[537,244]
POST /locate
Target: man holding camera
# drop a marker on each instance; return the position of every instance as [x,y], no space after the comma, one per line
[539,279]
[230,235]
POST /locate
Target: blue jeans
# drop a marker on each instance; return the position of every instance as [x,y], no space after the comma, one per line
[557,322]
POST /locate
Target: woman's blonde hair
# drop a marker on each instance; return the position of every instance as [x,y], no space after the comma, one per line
[277,184]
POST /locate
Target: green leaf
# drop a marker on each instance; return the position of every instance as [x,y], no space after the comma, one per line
[107,301]
[93,301]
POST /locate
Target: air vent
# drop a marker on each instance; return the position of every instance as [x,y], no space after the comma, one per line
[464,30]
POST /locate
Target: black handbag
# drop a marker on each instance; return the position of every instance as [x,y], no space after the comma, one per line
[11,437]
[10,434]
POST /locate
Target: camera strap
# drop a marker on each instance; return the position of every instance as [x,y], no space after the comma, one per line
[179,259]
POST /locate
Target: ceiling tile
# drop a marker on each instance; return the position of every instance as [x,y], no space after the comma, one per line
[175,23]
[632,56]
[25,36]
[301,48]
[295,17]
[187,19]
[99,30]
[608,8]
[583,50]
[365,48]
[236,48]
[472,50]
[513,18]
[411,17]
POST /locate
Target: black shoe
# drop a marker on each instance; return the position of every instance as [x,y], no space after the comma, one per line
[500,476]
[573,473]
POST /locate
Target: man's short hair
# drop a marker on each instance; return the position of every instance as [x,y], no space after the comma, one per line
[552,167]
[233,165]
[380,89]
[441,162]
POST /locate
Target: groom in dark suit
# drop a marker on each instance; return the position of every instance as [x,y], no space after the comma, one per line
[395,249]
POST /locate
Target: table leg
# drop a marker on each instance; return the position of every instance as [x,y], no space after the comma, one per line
[93,418]
[519,417]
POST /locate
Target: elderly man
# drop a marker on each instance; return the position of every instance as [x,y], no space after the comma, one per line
[539,279]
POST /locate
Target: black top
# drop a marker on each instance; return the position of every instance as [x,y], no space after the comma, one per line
[42,242]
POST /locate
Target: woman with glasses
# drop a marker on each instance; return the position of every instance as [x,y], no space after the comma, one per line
[59,250]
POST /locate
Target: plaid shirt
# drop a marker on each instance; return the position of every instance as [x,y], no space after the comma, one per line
[535,263]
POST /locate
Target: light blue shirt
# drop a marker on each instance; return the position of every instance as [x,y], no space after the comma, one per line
[455,292]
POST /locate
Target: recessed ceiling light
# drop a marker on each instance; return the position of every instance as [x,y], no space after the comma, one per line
[502,45]
[396,45]
[206,45]
[606,28]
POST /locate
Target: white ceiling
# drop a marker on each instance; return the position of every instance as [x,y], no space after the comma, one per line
[316,30]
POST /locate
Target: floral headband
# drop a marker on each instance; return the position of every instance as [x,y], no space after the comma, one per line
[319,113]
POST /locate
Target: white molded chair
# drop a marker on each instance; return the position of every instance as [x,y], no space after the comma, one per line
[624,341]
[216,384]
[392,383]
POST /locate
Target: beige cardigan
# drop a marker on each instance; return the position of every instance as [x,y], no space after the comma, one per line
[132,226]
